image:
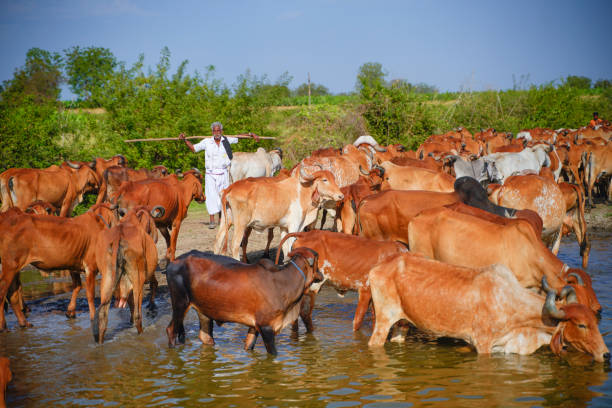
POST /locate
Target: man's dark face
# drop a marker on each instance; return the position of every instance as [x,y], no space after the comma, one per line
[217,132]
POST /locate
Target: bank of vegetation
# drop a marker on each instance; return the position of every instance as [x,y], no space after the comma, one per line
[118,102]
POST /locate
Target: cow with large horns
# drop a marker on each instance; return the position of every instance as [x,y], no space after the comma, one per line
[485,307]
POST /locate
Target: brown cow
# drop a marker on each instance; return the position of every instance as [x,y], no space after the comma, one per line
[222,289]
[114,176]
[486,307]
[289,204]
[574,218]
[346,209]
[596,163]
[539,194]
[415,178]
[41,207]
[126,256]
[5,377]
[172,194]
[467,240]
[63,186]
[345,262]
[51,243]
[385,216]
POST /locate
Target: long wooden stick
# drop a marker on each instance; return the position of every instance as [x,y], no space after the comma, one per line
[161,139]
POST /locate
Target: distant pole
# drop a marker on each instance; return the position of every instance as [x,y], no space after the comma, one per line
[309,89]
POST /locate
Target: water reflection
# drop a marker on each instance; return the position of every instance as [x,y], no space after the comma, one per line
[57,363]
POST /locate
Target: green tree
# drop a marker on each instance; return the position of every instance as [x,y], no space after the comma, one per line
[603,84]
[315,90]
[88,70]
[39,78]
[370,76]
[578,82]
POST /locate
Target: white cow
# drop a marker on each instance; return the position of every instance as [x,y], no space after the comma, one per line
[257,164]
[500,166]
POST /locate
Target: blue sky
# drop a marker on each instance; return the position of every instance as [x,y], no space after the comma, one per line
[450,44]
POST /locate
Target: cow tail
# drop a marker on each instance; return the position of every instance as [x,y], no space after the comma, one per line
[282,241]
[357,214]
[180,299]
[581,220]
[354,207]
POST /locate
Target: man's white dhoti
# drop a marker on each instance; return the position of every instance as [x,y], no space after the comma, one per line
[214,183]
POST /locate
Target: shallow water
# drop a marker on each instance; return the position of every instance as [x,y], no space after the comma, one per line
[56,362]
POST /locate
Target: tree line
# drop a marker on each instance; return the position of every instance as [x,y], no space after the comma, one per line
[37,129]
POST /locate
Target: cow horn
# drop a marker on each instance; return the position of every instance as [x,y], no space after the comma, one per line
[401,147]
[158,211]
[569,294]
[379,148]
[549,304]
[280,151]
[578,278]
[196,170]
[92,164]
[380,169]
[362,171]
[73,165]
[178,172]
[369,153]
[305,176]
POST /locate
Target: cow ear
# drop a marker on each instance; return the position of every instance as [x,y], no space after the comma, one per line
[556,343]
[315,197]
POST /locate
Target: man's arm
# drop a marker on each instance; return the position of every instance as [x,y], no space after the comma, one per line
[187,142]
[233,140]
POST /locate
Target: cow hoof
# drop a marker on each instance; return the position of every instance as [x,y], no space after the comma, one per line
[26,325]
[71,315]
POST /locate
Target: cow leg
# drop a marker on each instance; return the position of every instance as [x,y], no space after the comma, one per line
[100,320]
[267,334]
[362,307]
[239,231]
[251,338]
[153,284]
[76,288]
[306,312]
[270,238]
[90,290]
[10,270]
[138,307]
[399,332]
[16,303]
[244,243]
[556,241]
[176,227]
[180,305]
[206,329]
[166,235]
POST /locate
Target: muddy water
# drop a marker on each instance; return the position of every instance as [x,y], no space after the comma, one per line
[56,363]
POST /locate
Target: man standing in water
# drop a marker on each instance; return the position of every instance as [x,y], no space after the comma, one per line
[218,156]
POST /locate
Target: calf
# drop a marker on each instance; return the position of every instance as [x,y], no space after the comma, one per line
[264,297]
[486,307]
[126,256]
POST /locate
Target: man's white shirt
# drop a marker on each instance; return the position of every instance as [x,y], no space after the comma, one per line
[215,156]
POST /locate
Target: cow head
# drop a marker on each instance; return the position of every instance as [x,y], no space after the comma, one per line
[197,192]
[41,208]
[311,257]
[323,185]
[582,284]
[143,216]
[576,326]
[159,171]
[104,215]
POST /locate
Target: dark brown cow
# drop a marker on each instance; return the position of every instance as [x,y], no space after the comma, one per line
[51,243]
[222,289]
[346,209]
[172,194]
[126,256]
[345,262]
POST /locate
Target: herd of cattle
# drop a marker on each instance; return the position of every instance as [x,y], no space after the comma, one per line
[458,238]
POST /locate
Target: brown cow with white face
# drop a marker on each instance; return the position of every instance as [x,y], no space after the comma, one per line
[487,307]
[289,204]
